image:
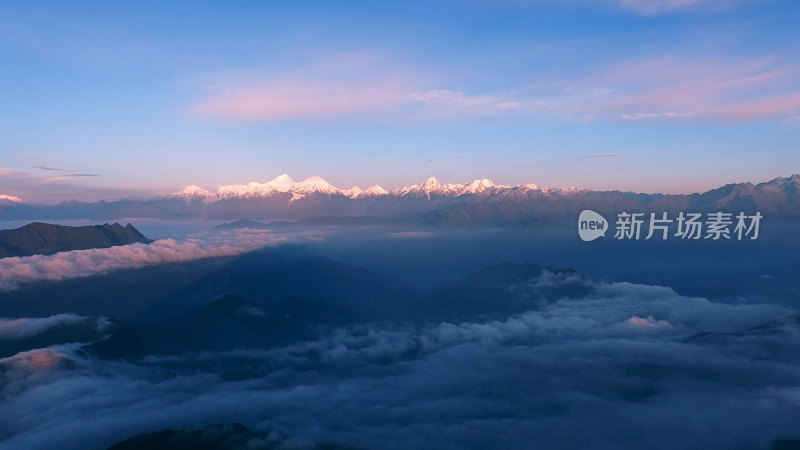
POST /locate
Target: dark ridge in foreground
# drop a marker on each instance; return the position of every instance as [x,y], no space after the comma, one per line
[210,437]
[39,238]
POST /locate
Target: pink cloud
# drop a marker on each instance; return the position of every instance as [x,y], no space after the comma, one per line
[756,109]
[349,85]
[647,7]
[287,99]
[664,88]
[5,171]
[648,323]
[11,198]
[677,88]
[392,99]
[659,6]
[32,361]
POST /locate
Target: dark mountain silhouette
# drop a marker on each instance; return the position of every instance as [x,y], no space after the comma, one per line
[233,436]
[786,444]
[45,239]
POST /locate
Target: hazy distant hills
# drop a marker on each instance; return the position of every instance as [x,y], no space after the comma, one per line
[478,203]
[45,239]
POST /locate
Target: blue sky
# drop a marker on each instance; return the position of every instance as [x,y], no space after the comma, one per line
[111,99]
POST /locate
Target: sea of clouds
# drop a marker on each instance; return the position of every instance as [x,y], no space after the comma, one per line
[629,366]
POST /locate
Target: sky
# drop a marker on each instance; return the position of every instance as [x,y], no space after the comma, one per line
[131,99]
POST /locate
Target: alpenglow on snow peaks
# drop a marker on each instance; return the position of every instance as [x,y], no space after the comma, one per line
[316,185]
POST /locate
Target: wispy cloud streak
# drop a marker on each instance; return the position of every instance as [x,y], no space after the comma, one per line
[601,155]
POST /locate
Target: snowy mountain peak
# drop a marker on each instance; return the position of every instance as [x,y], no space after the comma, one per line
[193,191]
[314,184]
[372,191]
[479,186]
[431,184]
[780,184]
[281,183]
[375,190]
[284,187]
[353,192]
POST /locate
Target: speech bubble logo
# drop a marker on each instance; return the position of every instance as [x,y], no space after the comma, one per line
[591,225]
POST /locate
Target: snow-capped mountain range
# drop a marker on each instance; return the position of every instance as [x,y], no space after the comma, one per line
[284,184]
[476,203]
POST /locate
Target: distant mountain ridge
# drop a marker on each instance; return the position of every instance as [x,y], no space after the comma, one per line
[477,203]
[45,239]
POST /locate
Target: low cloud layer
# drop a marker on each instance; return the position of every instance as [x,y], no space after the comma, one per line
[15,329]
[629,366]
[81,263]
